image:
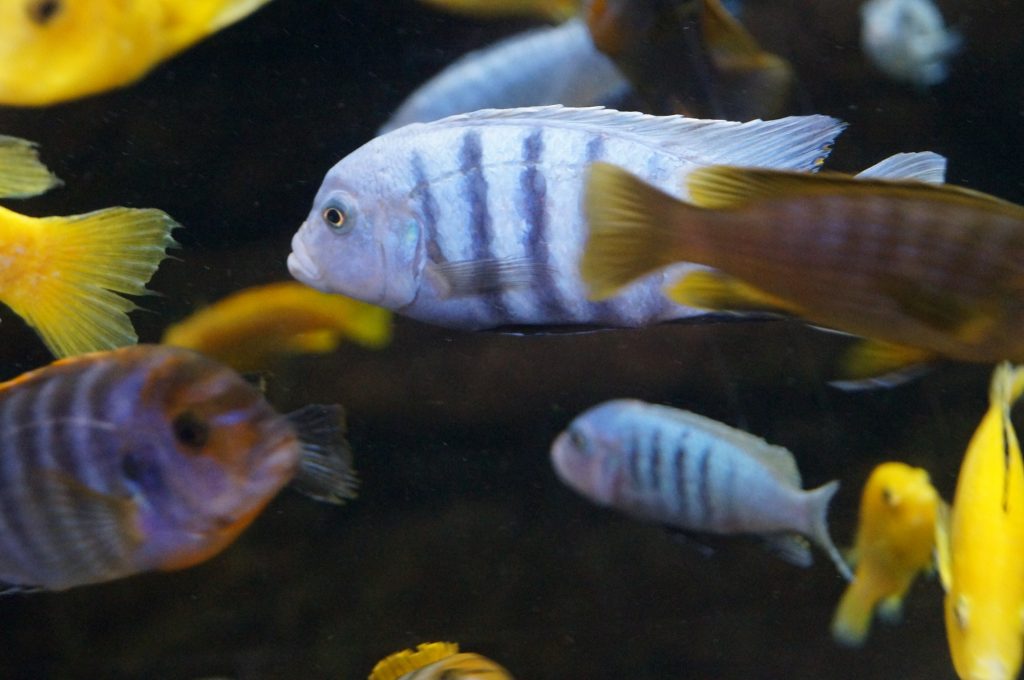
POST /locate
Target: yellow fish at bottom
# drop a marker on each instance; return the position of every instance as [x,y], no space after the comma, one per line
[895,541]
[981,551]
[437,661]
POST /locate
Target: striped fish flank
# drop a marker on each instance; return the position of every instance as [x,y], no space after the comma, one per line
[143,458]
[693,473]
[475,221]
[549,65]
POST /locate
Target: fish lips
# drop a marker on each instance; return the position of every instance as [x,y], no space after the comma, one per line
[300,263]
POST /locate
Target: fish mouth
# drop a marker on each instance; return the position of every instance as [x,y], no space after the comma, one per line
[300,264]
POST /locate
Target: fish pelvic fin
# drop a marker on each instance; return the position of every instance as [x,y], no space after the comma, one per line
[22,174]
[817,515]
[852,619]
[325,470]
[716,290]
[632,229]
[942,550]
[408,661]
[66,284]
[875,363]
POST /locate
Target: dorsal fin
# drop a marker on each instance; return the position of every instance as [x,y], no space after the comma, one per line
[406,661]
[923,166]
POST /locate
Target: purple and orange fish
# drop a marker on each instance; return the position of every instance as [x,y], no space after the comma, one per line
[147,458]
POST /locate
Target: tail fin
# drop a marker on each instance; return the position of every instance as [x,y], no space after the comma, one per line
[817,515]
[852,620]
[22,174]
[65,285]
[325,469]
[633,229]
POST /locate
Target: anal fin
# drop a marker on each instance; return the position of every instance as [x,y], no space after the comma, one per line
[873,364]
[715,290]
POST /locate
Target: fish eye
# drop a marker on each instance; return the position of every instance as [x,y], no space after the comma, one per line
[190,430]
[578,440]
[336,217]
[888,497]
[42,11]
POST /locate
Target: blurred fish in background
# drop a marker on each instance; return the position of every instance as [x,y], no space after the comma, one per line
[550,65]
[696,474]
[692,57]
[437,661]
[147,458]
[981,543]
[475,221]
[57,50]
[551,10]
[895,542]
[907,40]
[927,271]
[62,275]
[250,328]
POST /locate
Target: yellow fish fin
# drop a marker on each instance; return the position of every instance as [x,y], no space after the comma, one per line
[407,661]
[314,342]
[943,554]
[66,287]
[368,325]
[890,609]
[870,358]
[852,619]
[1007,385]
[725,186]
[21,172]
[631,229]
[716,290]
[234,11]
[727,39]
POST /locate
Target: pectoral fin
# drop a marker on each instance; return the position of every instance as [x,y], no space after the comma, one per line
[718,291]
[477,277]
[791,548]
[943,554]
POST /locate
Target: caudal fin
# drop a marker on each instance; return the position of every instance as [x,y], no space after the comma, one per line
[852,620]
[325,468]
[22,174]
[817,515]
[633,229]
[65,283]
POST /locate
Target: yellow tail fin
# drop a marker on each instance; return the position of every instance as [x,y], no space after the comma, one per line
[852,620]
[408,661]
[21,172]
[631,229]
[67,271]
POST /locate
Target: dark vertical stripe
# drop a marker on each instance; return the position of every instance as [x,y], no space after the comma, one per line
[633,457]
[428,209]
[533,206]
[46,508]
[595,148]
[474,192]
[679,475]
[704,477]
[654,469]
[16,424]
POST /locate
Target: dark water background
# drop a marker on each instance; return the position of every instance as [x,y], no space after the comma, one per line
[462,531]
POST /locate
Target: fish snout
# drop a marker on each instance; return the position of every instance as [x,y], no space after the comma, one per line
[300,263]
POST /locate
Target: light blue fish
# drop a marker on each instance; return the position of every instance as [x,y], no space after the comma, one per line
[475,221]
[695,474]
[550,65]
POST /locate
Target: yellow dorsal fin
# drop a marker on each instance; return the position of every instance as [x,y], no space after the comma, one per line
[406,661]
[22,174]
[723,34]
[1007,384]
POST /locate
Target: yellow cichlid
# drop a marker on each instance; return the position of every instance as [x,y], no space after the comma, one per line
[551,10]
[62,274]
[981,546]
[437,661]
[927,271]
[895,541]
[247,329]
[56,50]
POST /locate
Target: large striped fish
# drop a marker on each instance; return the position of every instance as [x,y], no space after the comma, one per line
[693,473]
[147,457]
[548,65]
[475,221]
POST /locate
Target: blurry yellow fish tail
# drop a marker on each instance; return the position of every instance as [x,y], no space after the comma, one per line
[633,229]
[407,661]
[65,272]
[853,616]
[1007,385]
[21,172]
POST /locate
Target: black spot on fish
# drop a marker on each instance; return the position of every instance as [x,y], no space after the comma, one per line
[43,11]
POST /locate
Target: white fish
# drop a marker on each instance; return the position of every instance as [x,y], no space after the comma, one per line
[550,65]
[907,40]
[475,221]
[693,473]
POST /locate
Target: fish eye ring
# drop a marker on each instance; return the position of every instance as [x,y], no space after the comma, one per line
[335,218]
[578,440]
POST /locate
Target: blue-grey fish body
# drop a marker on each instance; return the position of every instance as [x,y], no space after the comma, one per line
[691,472]
[476,221]
[549,65]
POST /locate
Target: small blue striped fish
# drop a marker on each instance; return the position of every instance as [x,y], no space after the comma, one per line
[147,457]
[476,222]
[693,473]
[549,65]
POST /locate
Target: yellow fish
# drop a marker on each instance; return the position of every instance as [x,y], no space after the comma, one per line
[55,50]
[247,329]
[62,274]
[981,549]
[926,271]
[551,10]
[895,541]
[437,661]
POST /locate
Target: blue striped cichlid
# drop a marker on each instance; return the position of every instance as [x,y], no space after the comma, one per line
[693,473]
[147,458]
[475,221]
